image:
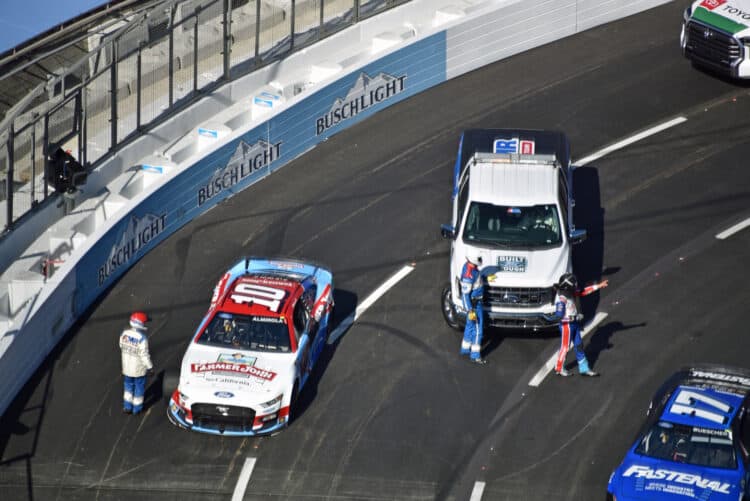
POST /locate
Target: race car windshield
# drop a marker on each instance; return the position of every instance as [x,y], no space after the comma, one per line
[685,444]
[507,226]
[243,332]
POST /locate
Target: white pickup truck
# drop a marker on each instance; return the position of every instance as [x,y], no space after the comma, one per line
[716,34]
[513,207]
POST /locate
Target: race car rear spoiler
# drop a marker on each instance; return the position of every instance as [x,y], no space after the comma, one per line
[736,377]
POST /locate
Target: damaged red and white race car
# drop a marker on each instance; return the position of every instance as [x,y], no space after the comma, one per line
[255,349]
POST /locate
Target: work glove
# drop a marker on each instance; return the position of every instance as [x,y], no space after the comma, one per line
[579,317]
[472,315]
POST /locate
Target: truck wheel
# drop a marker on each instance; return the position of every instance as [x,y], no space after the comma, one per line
[449,310]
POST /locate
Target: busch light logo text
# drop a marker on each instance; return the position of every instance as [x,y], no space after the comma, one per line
[366,92]
[245,161]
[138,233]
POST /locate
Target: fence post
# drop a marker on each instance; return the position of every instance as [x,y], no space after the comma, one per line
[33,163]
[9,180]
[196,59]
[320,21]
[257,33]
[291,29]
[79,123]
[138,84]
[171,60]
[227,42]
[84,123]
[45,149]
[113,97]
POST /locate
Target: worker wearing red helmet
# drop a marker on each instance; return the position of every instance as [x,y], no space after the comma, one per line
[136,362]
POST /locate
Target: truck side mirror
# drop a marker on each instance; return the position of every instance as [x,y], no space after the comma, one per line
[577,236]
[448,231]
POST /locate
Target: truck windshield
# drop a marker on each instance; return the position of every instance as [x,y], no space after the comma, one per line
[513,226]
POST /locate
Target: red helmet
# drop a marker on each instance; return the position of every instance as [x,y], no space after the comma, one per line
[138,320]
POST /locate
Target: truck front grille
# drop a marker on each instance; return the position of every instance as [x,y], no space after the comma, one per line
[708,45]
[519,297]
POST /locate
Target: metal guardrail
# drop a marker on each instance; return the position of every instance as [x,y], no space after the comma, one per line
[165,56]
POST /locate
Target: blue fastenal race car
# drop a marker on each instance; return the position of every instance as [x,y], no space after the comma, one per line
[694,443]
[255,348]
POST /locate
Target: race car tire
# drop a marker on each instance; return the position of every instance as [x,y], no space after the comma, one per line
[169,384]
[328,324]
[293,404]
[451,316]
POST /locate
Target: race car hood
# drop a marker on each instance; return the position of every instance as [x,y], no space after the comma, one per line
[643,478]
[732,16]
[513,268]
[211,374]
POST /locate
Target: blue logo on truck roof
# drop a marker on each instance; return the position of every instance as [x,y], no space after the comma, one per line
[515,145]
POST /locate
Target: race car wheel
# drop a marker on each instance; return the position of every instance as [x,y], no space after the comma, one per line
[169,383]
[293,404]
[450,315]
[328,324]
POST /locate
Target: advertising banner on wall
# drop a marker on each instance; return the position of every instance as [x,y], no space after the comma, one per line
[256,154]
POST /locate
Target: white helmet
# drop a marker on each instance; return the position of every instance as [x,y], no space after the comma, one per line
[474,259]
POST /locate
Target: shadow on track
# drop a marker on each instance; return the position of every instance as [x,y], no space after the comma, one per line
[588,257]
[346,304]
[602,338]
[25,415]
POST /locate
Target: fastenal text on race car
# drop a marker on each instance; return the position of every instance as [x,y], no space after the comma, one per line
[254,350]
[694,443]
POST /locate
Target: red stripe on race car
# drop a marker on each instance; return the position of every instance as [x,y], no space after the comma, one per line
[284,412]
[323,304]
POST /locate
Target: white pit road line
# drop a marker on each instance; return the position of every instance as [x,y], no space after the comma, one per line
[247,470]
[369,301]
[477,491]
[547,367]
[629,140]
[732,230]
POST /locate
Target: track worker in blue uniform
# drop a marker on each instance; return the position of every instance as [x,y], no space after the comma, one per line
[136,363]
[567,309]
[472,291]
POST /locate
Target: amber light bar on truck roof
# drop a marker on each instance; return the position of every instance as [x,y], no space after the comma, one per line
[514,158]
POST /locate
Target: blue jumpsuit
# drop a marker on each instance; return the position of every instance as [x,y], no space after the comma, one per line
[472,288]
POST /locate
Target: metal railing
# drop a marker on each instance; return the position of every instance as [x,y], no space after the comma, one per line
[157,61]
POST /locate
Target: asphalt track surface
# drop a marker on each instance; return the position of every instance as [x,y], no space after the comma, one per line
[393,412]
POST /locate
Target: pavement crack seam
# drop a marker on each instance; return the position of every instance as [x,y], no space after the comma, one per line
[356,437]
[565,444]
